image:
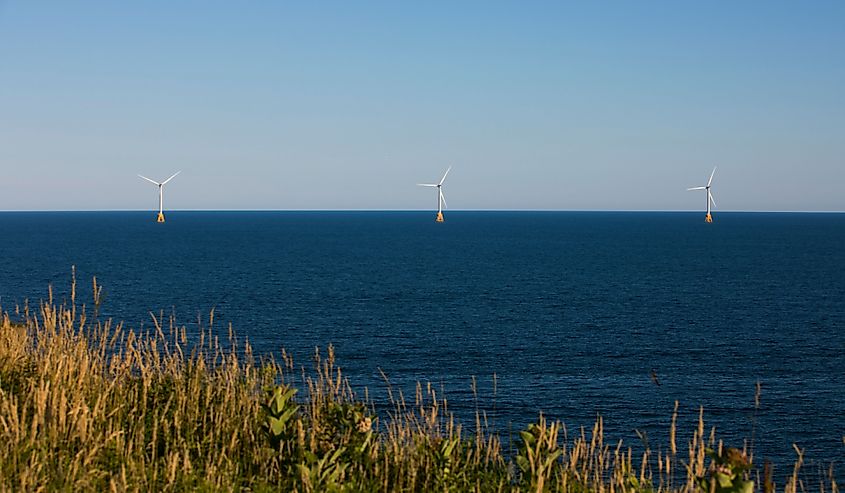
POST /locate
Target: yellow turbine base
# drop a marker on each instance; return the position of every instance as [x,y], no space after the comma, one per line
[439,217]
[708,218]
[160,218]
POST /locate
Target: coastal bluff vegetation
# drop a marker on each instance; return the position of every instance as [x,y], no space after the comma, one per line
[90,405]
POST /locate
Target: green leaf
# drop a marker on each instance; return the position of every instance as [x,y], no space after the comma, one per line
[277,426]
[280,398]
[447,447]
[527,437]
[366,443]
[723,479]
[553,457]
[523,463]
[745,486]
[287,415]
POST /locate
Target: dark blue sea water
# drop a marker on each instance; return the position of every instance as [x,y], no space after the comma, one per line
[571,311]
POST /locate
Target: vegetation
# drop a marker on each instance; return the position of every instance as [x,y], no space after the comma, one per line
[88,405]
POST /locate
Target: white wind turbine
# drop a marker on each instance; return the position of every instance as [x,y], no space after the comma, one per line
[708,218]
[160,186]
[441,200]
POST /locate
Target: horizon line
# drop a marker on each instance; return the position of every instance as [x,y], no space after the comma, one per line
[731,211]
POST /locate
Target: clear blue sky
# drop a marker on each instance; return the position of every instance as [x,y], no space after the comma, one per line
[346,105]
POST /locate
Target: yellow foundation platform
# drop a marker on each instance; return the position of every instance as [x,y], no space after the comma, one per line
[439,217]
[708,218]
[160,218]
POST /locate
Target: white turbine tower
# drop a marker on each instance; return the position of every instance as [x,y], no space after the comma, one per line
[160,186]
[441,200]
[708,218]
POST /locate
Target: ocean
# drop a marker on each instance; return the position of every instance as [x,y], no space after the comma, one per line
[569,312]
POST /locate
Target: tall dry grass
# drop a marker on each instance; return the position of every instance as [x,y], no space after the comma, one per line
[90,405]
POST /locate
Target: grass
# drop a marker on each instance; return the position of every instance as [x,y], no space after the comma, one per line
[89,405]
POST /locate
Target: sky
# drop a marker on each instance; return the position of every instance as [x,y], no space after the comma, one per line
[347,105]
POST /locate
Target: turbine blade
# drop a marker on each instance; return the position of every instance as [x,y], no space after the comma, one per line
[711,176]
[174,175]
[695,188]
[710,195]
[443,198]
[444,175]
[151,181]
[426,184]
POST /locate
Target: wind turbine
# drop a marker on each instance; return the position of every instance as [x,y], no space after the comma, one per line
[441,200]
[160,218]
[708,218]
